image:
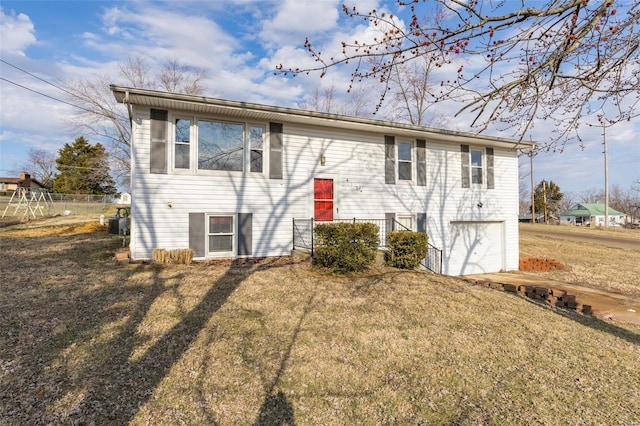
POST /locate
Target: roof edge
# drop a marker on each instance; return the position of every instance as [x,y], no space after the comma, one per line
[122,94]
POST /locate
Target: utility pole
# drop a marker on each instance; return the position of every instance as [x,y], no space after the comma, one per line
[533,203]
[544,195]
[606,176]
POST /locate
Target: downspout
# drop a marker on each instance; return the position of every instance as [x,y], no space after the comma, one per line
[131,185]
[129,110]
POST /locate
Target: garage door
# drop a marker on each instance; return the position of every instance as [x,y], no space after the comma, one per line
[475,248]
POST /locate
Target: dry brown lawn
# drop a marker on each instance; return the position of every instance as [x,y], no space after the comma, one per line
[609,268]
[86,341]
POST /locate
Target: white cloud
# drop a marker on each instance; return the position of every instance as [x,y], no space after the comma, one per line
[299,18]
[17,32]
[161,34]
[241,42]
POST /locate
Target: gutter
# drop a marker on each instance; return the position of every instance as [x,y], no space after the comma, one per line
[123,95]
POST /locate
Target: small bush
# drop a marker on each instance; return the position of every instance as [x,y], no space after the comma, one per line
[345,247]
[405,249]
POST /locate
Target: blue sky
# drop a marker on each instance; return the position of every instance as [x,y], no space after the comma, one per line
[240,42]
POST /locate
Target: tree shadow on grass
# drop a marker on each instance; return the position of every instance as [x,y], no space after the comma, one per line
[275,408]
[128,384]
[86,332]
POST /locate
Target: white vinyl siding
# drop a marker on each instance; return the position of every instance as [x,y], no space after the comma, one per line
[355,160]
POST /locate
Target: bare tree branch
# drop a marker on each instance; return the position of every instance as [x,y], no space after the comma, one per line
[104,118]
[563,61]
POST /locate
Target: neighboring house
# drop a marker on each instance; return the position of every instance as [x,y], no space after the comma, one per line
[591,214]
[526,218]
[24,181]
[124,198]
[228,178]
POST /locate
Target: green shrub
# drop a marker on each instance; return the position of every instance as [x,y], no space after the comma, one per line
[405,249]
[345,247]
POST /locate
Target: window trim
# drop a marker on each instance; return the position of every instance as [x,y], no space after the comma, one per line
[233,234]
[194,145]
[197,138]
[174,142]
[250,149]
[472,167]
[487,167]
[411,161]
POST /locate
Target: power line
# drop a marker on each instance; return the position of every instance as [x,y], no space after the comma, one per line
[36,77]
[53,85]
[45,95]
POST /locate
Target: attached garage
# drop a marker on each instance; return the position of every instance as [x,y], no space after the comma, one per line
[475,248]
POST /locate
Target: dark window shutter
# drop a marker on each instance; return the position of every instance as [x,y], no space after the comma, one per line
[245,227]
[275,150]
[197,233]
[421,162]
[421,222]
[390,159]
[464,156]
[158,160]
[490,181]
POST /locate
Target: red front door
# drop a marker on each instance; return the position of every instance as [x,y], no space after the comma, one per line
[323,199]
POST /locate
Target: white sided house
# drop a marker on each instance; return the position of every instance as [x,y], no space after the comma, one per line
[228,179]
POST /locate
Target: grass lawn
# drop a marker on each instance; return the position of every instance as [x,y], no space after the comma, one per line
[84,340]
[590,265]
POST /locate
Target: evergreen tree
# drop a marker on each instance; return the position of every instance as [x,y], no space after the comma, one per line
[547,198]
[83,169]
